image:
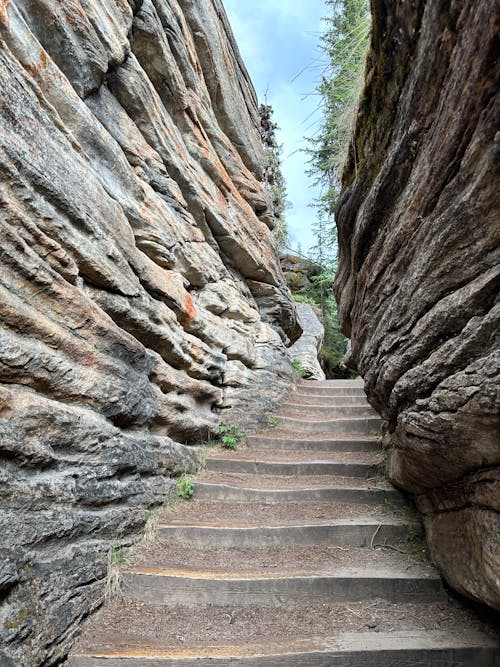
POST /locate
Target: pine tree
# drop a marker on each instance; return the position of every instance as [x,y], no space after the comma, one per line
[324,251]
[344,42]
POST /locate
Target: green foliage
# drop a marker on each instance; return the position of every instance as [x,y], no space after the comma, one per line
[319,293]
[345,43]
[335,343]
[273,179]
[185,487]
[273,421]
[118,558]
[230,435]
[303,298]
[229,442]
[297,364]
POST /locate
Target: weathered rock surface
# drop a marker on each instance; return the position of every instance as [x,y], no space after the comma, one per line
[298,272]
[418,285]
[141,294]
[306,348]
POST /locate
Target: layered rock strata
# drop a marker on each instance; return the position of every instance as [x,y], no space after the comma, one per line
[418,284]
[141,295]
[306,349]
[299,272]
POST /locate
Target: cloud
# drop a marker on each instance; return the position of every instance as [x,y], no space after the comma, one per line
[274,12]
[251,44]
[277,40]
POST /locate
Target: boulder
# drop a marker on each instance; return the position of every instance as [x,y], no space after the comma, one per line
[307,348]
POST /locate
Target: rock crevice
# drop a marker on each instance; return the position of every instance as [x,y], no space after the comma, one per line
[418,275]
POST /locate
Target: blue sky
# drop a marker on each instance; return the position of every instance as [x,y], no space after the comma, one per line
[278,39]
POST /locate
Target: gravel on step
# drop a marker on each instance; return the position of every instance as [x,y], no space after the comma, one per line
[279,482]
[123,622]
[273,514]
[402,556]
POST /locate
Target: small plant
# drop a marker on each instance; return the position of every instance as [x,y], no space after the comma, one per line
[118,558]
[185,487]
[297,364]
[205,448]
[230,435]
[304,298]
[273,421]
[229,442]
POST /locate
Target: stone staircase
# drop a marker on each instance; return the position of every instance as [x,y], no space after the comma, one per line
[293,553]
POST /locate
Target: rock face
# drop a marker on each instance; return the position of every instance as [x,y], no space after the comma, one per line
[306,349]
[141,295]
[298,272]
[419,232]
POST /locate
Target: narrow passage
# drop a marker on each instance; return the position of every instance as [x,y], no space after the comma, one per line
[294,552]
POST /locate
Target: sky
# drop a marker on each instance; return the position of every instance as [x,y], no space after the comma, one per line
[279,43]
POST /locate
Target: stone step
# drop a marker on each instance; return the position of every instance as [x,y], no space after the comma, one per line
[310,390]
[255,514]
[413,648]
[191,588]
[359,532]
[353,390]
[320,442]
[306,483]
[343,494]
[345,426]
[306,560]
[327,412]
[329,384]
[306,398]
[284,543]
[323,465]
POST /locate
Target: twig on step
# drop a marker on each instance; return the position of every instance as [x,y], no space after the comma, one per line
[390,546]
[385,545]
[354,612]
[375,535]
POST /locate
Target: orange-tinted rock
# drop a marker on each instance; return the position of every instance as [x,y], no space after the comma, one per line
[131,266]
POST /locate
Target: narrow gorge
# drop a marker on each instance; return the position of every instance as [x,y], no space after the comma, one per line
[143,303]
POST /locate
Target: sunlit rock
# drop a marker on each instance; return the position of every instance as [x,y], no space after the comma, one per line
[142,301]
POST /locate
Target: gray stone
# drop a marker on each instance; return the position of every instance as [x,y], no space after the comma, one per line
[135,250]
[418,280]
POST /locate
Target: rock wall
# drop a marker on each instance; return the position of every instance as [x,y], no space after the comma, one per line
[142,301]
[299,272]
[418,285]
